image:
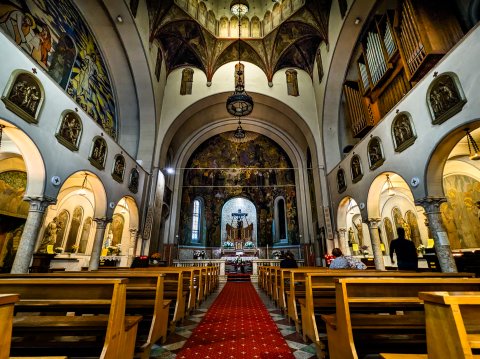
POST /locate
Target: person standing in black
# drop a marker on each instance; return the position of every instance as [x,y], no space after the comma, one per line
[405,250]
[288,261]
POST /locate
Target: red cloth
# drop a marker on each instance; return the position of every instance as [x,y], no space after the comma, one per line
[236,326]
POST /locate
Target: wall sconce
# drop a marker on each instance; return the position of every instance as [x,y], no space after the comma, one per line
[473,150]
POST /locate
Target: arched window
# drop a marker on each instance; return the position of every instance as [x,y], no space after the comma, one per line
[74,227]
[280,221]
[62,222]
[187,81]
[196,221]
[87,226]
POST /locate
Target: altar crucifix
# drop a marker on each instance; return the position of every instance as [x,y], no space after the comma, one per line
[239,231]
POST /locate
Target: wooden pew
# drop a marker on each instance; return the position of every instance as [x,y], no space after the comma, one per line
[452,325]
[34,333]
[145,296]
[7,302]
[375,315]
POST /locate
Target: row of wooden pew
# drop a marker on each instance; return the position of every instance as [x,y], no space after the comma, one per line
[355,313]
[105,314]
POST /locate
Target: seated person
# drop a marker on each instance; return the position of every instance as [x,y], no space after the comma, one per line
[345,262]
[288,261]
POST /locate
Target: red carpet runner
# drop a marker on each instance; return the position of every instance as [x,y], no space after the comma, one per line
[237,325]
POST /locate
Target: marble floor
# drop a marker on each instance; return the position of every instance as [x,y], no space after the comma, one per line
[176,340]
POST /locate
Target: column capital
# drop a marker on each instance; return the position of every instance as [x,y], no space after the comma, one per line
[133,231]
[431,204]
[40,203]
[102,222]
[342,230]
[373,222]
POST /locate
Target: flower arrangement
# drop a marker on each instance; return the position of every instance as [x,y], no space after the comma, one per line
[113,250]
[365,251]
[156,256]
[199,254]
[228,244]
[276,254]
[248,244]
[421,249]
[58,250]
[73,249]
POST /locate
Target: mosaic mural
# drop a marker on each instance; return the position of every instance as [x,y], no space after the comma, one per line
[54,34]
[220,169]
[460,214]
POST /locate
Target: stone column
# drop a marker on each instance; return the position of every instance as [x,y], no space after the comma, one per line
[98,242]
[343,241]
[375,239]
[131,246]
[38,205]
[440,237]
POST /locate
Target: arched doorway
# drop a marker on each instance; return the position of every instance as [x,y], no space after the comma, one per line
[22,173]
[239,222]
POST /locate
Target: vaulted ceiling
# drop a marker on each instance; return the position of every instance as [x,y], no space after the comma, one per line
[293,43]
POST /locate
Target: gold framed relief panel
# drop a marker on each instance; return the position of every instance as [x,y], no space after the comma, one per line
[24,96]
[118,169]
[98,152]
[69,130]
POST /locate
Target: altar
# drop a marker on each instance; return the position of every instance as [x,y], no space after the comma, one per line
[239,235]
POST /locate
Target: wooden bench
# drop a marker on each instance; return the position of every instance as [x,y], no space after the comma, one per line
[375,315]
[145,296]
[452,325]
[41,324]
[7,302]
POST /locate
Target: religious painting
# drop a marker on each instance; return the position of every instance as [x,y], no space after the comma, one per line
[292,82]
[402,132]
[256,169]
[375,153]
[118,170]
[411,221]
[311,186]
[187,82]
[460,213]
[73,231]
[87,226]
[223,27]
[70,130]
[24,96]
[211,22]
[256,27]
[133,180]
[445,98]
[54,34]
[61,223]
[388,229]
[202,13]
[98,153]
[12,190]
[356,168]
[397,218]
[118,222]
[341,182]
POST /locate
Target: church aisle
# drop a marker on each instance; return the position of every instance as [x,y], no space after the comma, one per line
[176,341]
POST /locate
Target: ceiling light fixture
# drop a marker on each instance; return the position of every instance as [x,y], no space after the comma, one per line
[239,103]
[83,190]
[473,150]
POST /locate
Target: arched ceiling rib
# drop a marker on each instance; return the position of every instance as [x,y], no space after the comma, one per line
[293,43]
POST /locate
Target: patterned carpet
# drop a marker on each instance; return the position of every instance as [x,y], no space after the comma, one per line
[176,341]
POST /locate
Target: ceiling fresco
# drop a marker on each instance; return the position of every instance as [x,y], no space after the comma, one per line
[185,41]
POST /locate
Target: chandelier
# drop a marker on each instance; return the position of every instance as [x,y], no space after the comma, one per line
[390,190]
[239,103]
[473,150]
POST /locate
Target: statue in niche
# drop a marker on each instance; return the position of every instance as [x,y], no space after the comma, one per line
[375,153]
[118,168]
[445,98]
[402,132]
[359,227]
[24,97]
[133,182]
[351,236]
[356,169]
[341,184]
[99,153]
[70,130]
[50,235]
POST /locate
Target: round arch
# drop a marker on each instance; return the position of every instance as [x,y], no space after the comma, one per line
[31,156]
